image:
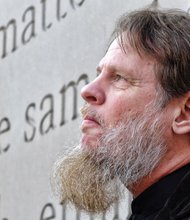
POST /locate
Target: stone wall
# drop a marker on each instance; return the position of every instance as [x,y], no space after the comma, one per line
[49,49]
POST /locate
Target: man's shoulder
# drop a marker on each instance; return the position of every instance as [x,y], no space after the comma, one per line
[178,205]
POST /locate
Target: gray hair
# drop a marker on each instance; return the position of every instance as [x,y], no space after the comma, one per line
[163,35]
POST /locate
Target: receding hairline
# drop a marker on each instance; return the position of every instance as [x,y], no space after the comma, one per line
[165,36]
[124,30]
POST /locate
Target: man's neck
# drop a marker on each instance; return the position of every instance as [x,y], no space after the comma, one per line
[165,167]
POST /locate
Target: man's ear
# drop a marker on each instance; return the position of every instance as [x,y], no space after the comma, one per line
[181,123]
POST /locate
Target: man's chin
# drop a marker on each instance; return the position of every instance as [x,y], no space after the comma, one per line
[88,142]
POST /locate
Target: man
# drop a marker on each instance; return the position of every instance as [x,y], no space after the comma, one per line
[136,123]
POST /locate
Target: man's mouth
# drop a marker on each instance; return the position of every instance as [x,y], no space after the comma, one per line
[90,121]
[91,130]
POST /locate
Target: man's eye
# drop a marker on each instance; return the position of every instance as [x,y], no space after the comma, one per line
[120,77]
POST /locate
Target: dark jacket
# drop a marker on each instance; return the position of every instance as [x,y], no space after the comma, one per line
[175,207]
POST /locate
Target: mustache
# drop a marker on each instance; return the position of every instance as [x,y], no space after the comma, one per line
[88,112]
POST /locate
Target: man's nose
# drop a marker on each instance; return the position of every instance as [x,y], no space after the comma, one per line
[93,93]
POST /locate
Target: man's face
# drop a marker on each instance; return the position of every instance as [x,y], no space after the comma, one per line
[122,133]
[124,86]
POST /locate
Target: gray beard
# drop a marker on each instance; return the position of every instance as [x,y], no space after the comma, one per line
[91,179]
[132,149]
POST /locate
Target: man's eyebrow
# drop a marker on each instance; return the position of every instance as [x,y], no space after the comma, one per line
[110,68]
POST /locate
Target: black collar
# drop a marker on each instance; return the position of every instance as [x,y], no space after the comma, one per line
[154,198]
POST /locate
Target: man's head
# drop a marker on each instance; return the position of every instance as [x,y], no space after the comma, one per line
[164,36]
[137,112]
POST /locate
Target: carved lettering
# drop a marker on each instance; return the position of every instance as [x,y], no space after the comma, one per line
[5,127]
[44,25]
[47,120]
[4,30]
[63,212]
[9,31]
[116,212]
[31,122]
[74,3]
[78,215]
[30,26]
[47,105]
[48,212]
[63,91]
[59,15]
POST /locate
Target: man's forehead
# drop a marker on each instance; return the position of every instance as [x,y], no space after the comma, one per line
[128,61]
[114,47]
[115,55]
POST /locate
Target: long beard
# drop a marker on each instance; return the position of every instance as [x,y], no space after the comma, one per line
[91,179]
[79,180]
